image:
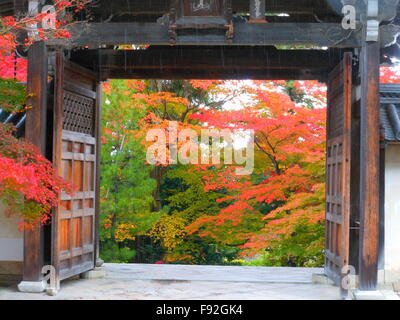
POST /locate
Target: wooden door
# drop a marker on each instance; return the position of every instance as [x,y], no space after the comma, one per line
[74,156]
[338,169]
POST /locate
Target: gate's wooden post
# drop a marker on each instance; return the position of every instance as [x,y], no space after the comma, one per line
[57,153]
[98,261]
[35,132]
[369,166]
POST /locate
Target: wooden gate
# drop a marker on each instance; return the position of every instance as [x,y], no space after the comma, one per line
[338,169]
[75,158]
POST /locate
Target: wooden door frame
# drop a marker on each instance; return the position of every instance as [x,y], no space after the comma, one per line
[369,145]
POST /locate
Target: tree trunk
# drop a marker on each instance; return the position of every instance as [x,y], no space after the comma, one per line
[157,173]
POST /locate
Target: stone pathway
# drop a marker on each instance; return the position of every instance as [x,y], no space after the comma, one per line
[177,282]
[210,273]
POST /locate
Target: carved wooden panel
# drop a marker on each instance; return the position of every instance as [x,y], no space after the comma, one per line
[200,14]
[202,7]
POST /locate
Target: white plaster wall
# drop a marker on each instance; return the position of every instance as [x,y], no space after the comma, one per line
[11,240]
[392,210]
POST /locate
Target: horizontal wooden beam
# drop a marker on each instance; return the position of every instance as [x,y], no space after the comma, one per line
[209,62]
[218,74]
[287,34]
[200,57]
[120,7]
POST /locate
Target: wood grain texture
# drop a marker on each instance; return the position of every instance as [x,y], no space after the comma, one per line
[136,7]
[318,34]
[74,159]
[35,132]
[59,230]
[369,166]
[209,62]
[338,169]
[98,127]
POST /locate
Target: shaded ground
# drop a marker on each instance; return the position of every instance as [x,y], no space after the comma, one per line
[176,282]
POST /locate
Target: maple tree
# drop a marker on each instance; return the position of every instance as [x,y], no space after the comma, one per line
[209,214]
[174,100]
[13,45]
[29,187]
[390,74]
[209,208]
[288,183]
[132,109]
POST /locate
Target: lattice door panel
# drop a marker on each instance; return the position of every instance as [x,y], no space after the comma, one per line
[78,113]
[338,169]
[75,158]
